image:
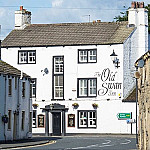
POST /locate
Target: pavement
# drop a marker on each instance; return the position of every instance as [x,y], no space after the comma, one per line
[35,140]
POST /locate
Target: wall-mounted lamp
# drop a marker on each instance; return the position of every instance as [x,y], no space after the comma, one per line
[115,59]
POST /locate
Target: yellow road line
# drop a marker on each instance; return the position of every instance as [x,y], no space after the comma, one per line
[38,145]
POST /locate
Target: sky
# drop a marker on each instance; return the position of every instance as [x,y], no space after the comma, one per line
[61,11]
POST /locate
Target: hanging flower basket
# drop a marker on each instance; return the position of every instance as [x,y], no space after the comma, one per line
[5,118]
[95,105]
[35,105]
[75,105]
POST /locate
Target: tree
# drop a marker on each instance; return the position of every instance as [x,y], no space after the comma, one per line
[124,17]
[148,8]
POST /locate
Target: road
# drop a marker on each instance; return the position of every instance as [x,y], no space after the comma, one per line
[90,143]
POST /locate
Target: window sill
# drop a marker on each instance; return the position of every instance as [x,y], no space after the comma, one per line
[57,99]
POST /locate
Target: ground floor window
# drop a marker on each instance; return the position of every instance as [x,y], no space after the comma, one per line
[34,124]
[23,120]
[87,119]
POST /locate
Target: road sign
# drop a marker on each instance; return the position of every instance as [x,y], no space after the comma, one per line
[130,121]
[124,115]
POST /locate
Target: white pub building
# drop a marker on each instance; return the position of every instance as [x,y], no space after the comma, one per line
[82,73]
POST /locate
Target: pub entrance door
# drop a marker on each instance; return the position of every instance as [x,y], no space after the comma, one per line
[56,123]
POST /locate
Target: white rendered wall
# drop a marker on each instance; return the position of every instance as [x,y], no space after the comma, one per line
[72,71]
[11,104]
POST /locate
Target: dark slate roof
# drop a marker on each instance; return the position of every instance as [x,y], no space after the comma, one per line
[7,69]
[131,97]
[69,34]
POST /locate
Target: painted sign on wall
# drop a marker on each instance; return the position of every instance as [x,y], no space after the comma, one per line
[41,121]
[109,84]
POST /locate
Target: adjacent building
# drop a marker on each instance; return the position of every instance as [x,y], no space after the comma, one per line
[82,73]
[15,104]
[143,75]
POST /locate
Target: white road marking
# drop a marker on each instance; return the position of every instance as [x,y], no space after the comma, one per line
[83,147]
[128,141]
[105,145]
[109,141]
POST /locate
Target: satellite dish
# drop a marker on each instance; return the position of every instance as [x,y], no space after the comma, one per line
[141,63]
[137,74]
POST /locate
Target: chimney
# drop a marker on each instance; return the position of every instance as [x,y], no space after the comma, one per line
[22,18]
[21,8]
[138,17]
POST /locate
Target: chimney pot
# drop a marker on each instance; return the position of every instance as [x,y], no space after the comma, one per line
[133,4]
[94,21]
[141,4]
[21,8]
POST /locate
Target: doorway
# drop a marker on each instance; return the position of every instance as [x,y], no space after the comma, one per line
[56,123]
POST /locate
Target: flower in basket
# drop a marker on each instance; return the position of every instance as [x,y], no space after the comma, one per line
[35,105]
[75,104]
[95,105]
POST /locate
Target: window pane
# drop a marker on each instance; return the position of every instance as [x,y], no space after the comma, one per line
[58,86]
[59,64]
[31,57]
[92,55]
[92,87]
[22,57]
[83,56]
[83,87]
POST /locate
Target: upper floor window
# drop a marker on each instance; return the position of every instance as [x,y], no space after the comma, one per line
[58,77]
[23,89]
[27,57]
[87,87]
[58,65]
[10,87]
[87,56]
[33,88]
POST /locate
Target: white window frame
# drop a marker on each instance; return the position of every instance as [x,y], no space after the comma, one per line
[92,87]
[92,55]
[84,87]
[92,119]
[32,56]
[58,88]
[33,88]
[24,57]
[58,65]
[84,119]
[85,55]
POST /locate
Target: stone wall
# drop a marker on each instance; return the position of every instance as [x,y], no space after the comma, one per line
[144,106]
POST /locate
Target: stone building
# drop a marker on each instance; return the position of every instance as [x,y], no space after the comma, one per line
[144,101]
